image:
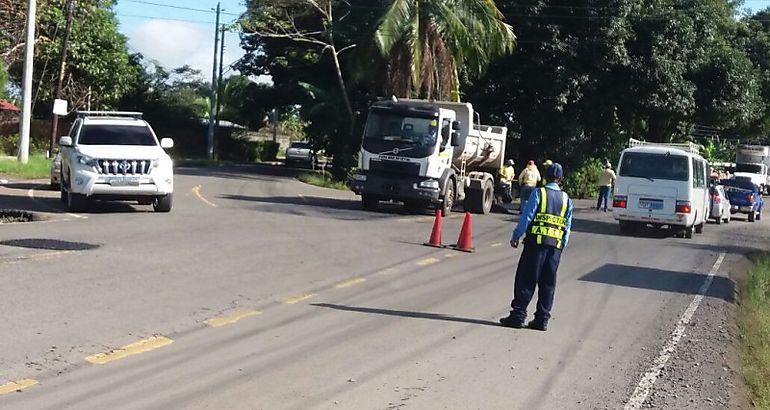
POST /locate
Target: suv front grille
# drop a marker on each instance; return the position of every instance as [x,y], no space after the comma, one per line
[123,167]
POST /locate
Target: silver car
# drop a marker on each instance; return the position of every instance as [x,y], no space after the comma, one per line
[56,172]
[720,205]
[300,153]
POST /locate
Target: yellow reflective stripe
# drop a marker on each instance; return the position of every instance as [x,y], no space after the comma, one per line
[564,200]
[559,221]
[540,239]
[548,231]
[558,244]
[543,200]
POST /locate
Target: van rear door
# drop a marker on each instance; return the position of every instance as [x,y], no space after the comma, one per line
[656,200]
[655,181]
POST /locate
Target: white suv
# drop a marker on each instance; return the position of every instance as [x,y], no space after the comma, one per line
[115,156]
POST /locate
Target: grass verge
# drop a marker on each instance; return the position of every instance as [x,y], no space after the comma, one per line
[38,167]
[323,181]
[754,323]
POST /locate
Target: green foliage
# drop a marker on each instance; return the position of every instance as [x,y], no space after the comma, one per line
[583,182]
[427,43]
[98,64]
[719,151]
[239,149]
[754,322]
[3,80]
[9,144]
[38,167]
[324,181]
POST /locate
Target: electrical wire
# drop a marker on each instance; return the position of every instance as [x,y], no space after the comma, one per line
[149,3]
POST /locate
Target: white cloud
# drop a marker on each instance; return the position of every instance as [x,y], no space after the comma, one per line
[176,43]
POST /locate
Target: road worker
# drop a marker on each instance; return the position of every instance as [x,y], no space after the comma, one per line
[507,174]
[528,180]
[606,182]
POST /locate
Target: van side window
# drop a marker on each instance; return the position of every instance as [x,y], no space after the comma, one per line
[699,174]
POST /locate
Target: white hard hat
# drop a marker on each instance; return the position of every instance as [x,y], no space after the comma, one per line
[510,162]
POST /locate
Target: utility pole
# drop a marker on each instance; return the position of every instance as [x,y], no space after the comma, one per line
[213,98]
[221,86]
[62,70]
[26,88]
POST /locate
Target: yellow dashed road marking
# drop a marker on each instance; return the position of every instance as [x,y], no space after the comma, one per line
[17,385]
[197,191]
[388,271]
[232,318]
[427,261]
[141,346]
[298,299]
[350,283]
[450,255]
[496,244]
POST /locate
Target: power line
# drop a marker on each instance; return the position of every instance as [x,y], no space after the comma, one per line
[138,16]
[149,3]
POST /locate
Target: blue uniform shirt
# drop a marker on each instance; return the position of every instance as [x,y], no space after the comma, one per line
[528,214]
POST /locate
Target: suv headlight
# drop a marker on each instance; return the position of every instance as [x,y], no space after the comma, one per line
[86,160]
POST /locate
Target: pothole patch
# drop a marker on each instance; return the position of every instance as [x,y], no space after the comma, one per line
[16,216]
[49,244]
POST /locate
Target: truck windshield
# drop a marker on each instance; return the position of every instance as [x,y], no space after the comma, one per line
[654,166]
[750,168]
[401,129]
[97,134]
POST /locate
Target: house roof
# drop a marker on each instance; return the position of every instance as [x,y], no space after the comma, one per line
[8,106]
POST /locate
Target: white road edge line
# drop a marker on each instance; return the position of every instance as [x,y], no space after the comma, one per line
[31,195]
[648,379]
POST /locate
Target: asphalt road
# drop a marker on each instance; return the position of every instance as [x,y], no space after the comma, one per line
[258,291]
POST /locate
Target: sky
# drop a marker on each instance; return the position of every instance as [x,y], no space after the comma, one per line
[179,32]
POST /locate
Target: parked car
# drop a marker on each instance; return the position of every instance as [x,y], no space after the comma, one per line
[744,197]
[300,153]
[56,172]
[720,204]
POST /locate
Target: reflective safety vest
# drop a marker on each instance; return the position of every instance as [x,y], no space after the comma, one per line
[549,225]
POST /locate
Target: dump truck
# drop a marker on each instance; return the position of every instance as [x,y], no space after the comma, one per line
[753,162]
[428,153]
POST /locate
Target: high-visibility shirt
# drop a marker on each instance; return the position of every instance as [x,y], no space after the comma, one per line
[507,174]
[549,225]
[529,176]
[607,178]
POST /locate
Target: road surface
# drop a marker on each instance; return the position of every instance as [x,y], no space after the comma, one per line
[258,291]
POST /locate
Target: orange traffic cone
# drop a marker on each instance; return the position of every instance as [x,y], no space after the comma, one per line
[435,235]
[464,241]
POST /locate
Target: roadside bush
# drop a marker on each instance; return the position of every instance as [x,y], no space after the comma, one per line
[269,150]
[241,149]
[582,182]
[9,144]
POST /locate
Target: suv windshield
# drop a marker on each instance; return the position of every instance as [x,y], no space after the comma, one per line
[750,168]
[102,134]
[398,128]
[654,166]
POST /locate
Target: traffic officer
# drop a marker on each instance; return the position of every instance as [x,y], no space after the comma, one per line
[546,220]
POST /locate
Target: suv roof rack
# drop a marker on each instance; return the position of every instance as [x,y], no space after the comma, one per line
[690,147]
[129,114]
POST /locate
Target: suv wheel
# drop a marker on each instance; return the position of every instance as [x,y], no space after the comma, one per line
[76,202]
[163,203]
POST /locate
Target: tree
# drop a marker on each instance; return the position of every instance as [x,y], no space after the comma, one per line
[427,44]
[98,67]
[3,80]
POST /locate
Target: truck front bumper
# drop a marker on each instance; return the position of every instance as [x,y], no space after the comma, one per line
[397,187]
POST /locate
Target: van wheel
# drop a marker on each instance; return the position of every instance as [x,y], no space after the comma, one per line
[699,228]
[688,231]
[719,220]
[752,216]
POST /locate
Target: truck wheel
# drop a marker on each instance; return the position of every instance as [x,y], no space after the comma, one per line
[752,216]
[488,196]
[163,203]
[370,202]
[449,198]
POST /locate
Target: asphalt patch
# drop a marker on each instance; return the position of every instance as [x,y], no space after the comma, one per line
[49,244]
[15,216]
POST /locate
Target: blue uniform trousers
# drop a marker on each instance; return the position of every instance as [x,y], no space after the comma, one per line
[537,267]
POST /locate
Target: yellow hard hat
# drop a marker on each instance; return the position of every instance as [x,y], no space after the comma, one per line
[547,162]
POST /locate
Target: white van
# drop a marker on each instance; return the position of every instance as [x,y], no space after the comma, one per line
[662,185]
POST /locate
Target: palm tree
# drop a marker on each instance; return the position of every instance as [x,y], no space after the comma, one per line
[426,43]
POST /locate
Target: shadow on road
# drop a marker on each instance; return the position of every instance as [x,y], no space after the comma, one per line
[402,313]
[240,172]
[661,280]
